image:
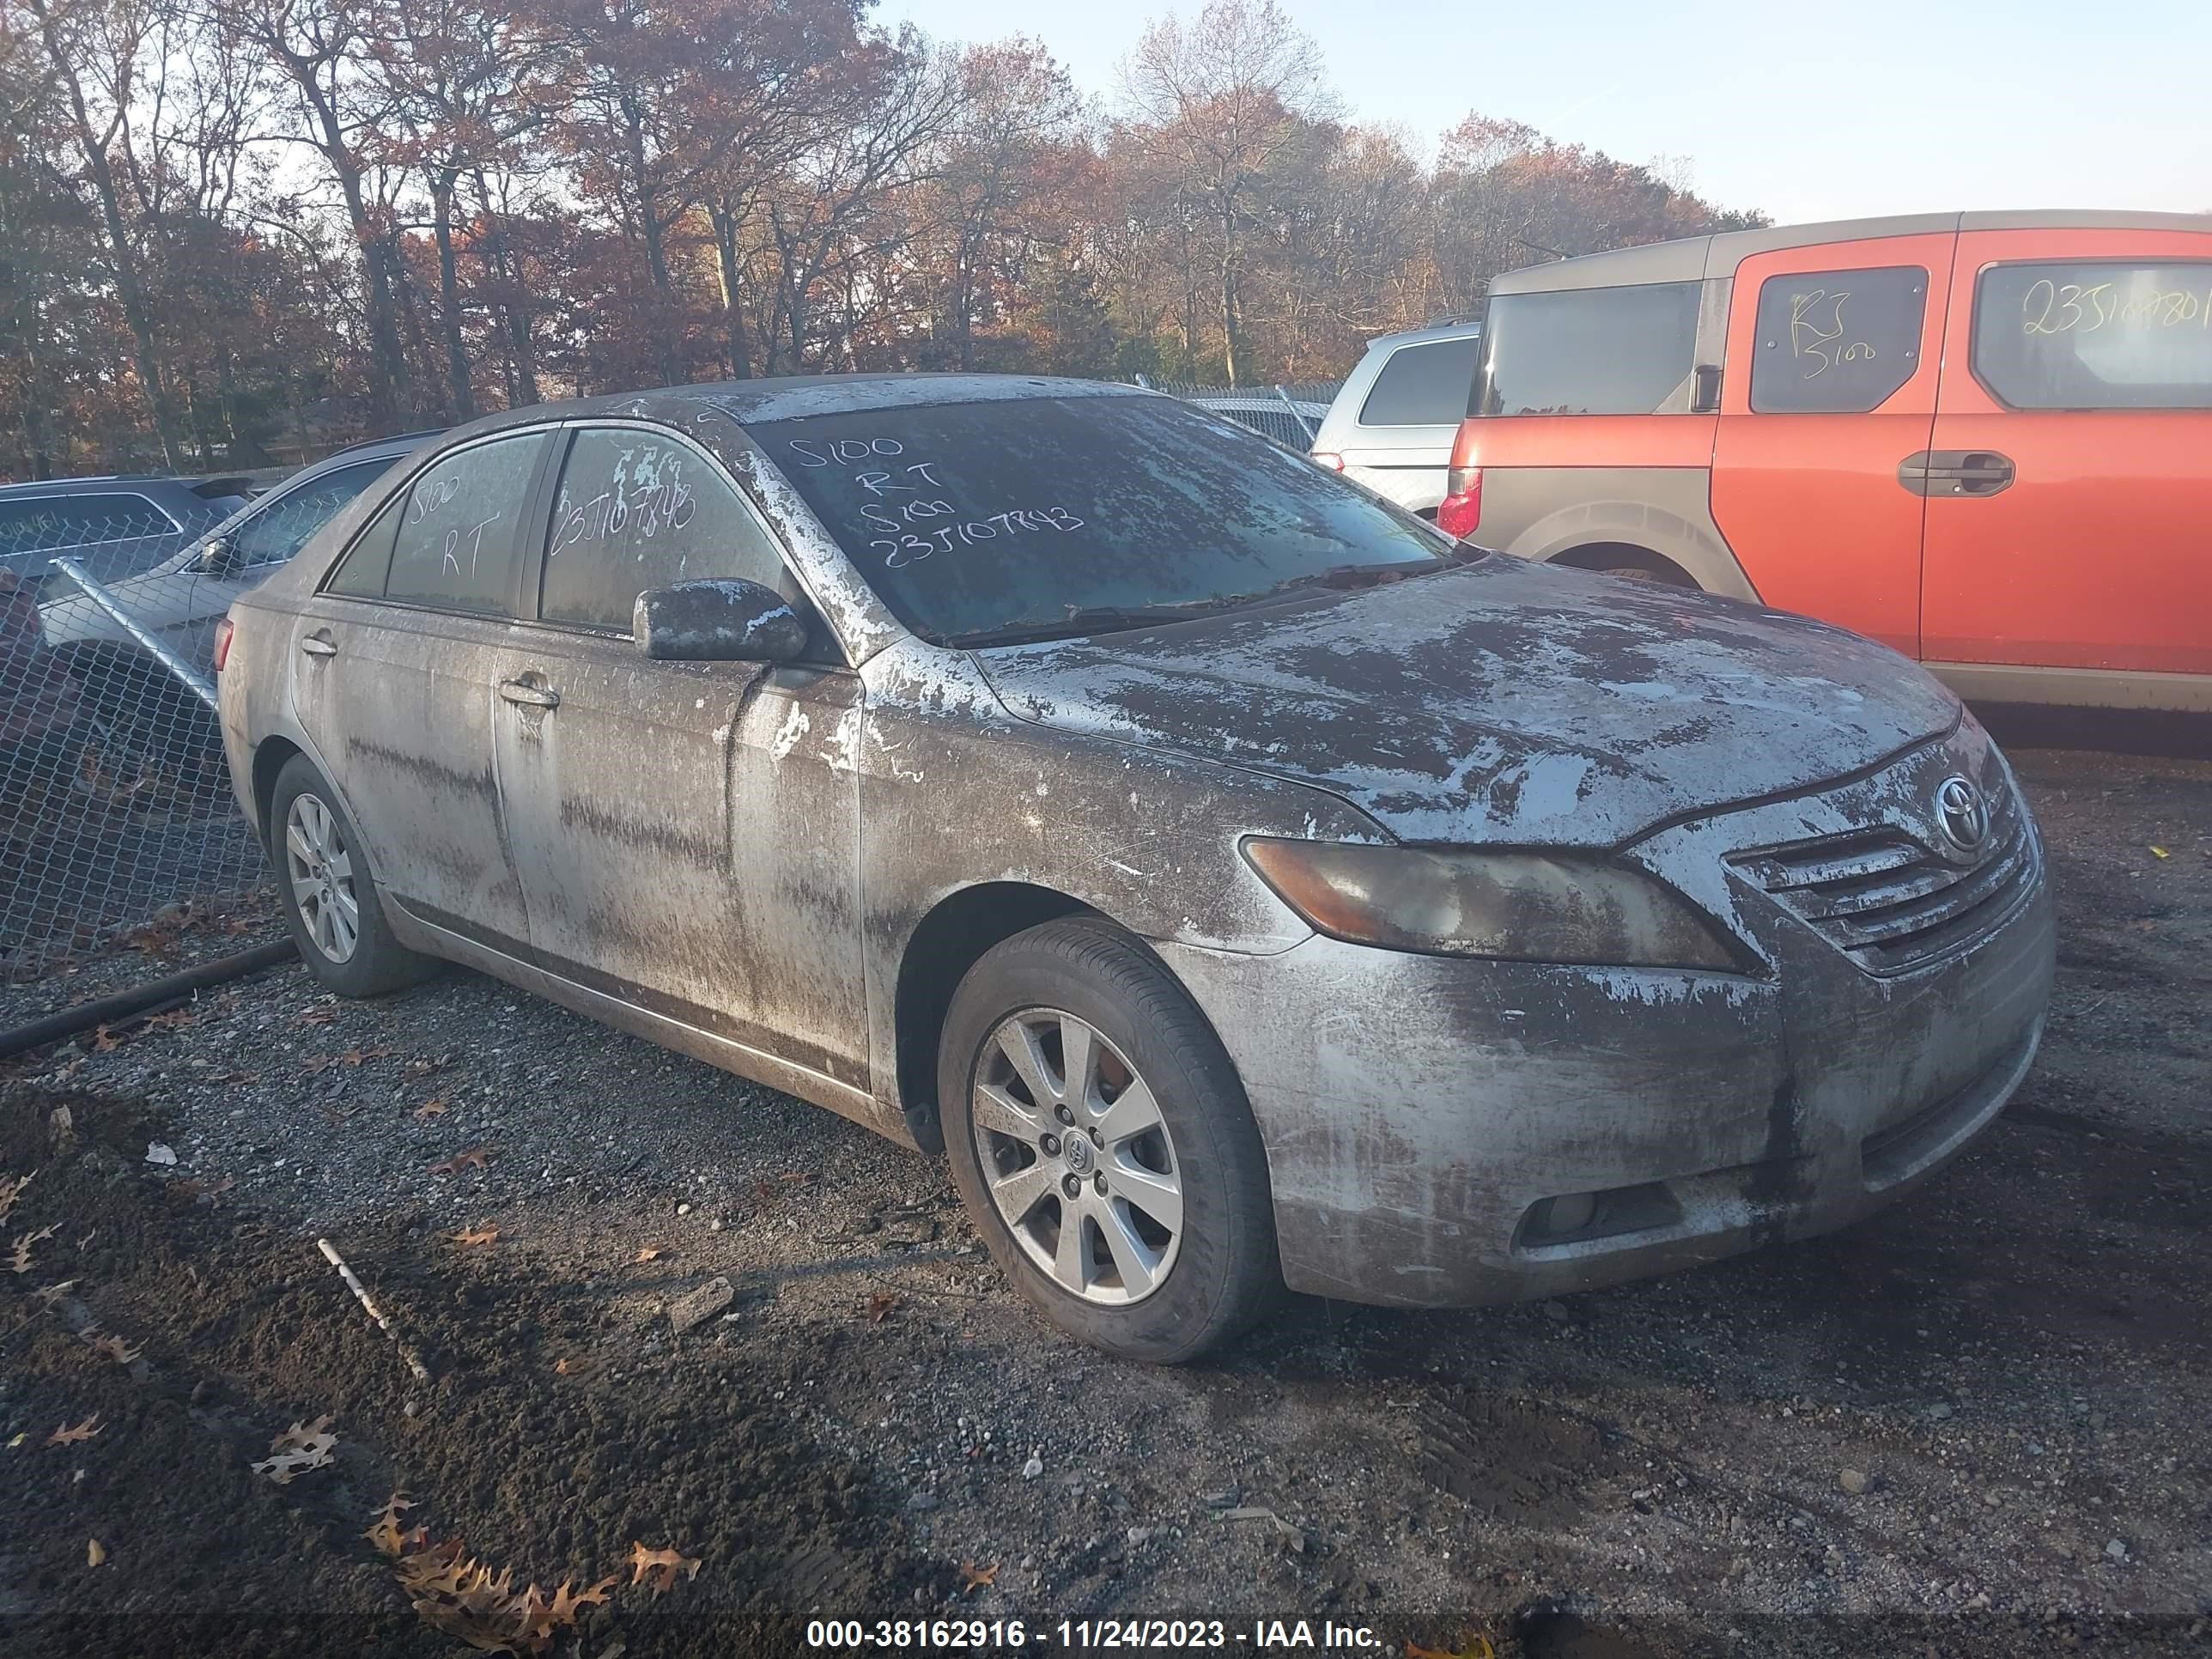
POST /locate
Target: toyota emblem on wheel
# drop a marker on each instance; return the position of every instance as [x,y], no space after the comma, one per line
[1962,813]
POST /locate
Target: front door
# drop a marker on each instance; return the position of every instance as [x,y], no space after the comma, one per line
[2078,417]
[1829,388]
[394,677]
[686,832]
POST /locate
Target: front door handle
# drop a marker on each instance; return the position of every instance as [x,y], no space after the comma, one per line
[529,695]
[1956,472]
[318,645]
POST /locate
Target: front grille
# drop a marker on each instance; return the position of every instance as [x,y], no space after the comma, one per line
[1889,901]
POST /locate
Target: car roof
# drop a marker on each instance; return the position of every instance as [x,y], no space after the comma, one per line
[1449,328]
[794,396]
[1692,258]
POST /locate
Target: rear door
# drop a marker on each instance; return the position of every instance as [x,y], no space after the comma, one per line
[1829,388]
[1401,443]
[686,832]
[2069,531]
[393,679]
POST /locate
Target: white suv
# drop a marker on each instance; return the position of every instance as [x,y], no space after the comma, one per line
[1391,425]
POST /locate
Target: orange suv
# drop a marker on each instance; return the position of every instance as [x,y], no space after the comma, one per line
[1984,439]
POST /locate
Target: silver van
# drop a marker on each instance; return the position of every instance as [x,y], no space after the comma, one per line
[1391,425]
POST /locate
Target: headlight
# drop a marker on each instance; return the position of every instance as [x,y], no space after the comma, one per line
[1521,907]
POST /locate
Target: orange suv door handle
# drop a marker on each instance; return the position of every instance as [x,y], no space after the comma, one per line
[1955,472]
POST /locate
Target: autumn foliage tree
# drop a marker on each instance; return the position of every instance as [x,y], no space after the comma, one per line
[239,232]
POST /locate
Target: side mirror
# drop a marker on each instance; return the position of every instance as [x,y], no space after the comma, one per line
[727,619]
[219,558]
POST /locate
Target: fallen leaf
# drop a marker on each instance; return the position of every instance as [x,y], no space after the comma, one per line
[476,1157]
[84,1431]
[879,1304]
[660,1565]
[430,1109]
[11,1189]
[2160,853]
[302,1447]
[94,1552]
[796,1176]
[575,1367]
[647,1252]
[53,1294]
[103,1043]
[423,1067]
[20,1260]
[355,1057]
[18,1439]
[113,1346]
[319,1017]
[1478,1646]
[385,1532]
[475,1235]
[973,1577]
[564,1606]
[315,1063]
[87,1238]
[172,1020]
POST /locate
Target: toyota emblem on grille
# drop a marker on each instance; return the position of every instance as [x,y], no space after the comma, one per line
[1962,813]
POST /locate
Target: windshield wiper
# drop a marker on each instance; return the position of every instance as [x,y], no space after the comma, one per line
[1081,620]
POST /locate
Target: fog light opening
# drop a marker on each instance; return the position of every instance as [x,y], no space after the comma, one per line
[1552,1220]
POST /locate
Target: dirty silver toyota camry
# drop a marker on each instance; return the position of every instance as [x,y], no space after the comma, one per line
[1244,886]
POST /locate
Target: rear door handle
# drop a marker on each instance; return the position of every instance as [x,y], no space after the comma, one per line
[1956,472]
[529,695]
[318,645]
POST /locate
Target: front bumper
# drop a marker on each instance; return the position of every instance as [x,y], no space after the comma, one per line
[1419,1112]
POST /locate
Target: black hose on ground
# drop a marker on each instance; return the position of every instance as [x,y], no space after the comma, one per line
[106,1011]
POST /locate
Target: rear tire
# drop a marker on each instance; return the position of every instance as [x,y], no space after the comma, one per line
[1077,1082]
[329,892]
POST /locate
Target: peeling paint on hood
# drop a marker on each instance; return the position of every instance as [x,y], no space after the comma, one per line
[1507,703]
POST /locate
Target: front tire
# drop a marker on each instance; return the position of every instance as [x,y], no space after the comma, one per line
[329,893]
[1101,1142]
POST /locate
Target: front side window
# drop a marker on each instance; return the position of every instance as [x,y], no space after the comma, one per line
[638,510]
[1424,385]
[1037,517]
[2120,334]
[456,529]
[281,528]
[1589,351]
[1832,342]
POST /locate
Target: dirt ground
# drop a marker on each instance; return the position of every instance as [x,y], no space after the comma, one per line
[1980,1423]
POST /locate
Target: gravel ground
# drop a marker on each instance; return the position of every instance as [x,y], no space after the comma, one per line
[1976,1424]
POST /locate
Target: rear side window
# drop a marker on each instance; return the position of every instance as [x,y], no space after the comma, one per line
[636,511]
[1589,351]
[1422,384]
[54,524]
[2116,335]
[282,525]
[457,537]
[1832,342]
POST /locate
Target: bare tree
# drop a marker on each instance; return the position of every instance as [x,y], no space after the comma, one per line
[1223,102]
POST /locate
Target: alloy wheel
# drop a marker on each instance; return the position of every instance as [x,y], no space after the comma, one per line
[1077,1158]
[320,867]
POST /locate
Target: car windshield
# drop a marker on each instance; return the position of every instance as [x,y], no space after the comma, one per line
[1034,517]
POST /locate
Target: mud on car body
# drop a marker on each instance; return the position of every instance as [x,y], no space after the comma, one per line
[1245,886]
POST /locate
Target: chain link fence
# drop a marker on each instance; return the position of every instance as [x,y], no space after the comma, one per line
[1290,413]
[115,802]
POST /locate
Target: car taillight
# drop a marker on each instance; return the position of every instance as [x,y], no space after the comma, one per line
[223,633]
[1461,510]
[1329,458]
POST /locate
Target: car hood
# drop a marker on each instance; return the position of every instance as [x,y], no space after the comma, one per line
[1506,704]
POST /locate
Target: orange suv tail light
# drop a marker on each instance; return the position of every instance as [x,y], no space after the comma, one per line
[1461,510]
[222,632]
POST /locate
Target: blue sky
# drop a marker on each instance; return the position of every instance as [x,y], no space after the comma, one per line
[1808,110]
